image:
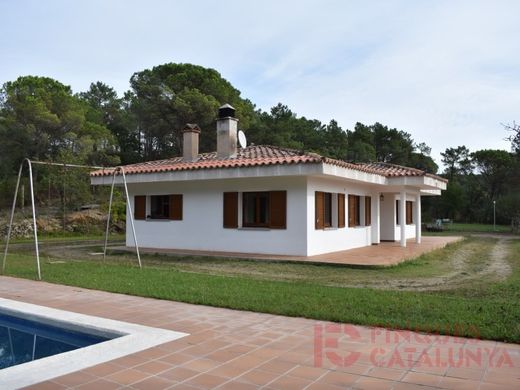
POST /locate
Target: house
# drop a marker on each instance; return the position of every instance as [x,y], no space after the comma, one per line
[268,199]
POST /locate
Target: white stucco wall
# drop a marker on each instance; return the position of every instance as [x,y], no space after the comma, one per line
[410,232]
[336,239]
[390,231]
[409,229]
[202,224]
[387,217]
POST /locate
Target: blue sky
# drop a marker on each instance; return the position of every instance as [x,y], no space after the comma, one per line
[448,72]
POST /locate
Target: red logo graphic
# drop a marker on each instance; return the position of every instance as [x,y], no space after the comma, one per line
[331,346]
[342,345]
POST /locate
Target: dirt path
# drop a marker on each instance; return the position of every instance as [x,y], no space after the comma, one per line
[494,268]
[498,264]
[65,249]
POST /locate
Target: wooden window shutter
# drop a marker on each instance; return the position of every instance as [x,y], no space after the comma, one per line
[319,210]
[278,209]
[368,210]
[409,212]
[176,207]
[341,210]
[352,210]
[358,210]
[140,207]
[230,210]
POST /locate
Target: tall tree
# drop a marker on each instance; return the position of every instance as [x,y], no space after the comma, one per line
[494,166]
[43,120]
[422,161]
[335,139]
[392,145]
[514,137]
[361,144]
[457,161]
[380,143]
[166,97]
[107,109]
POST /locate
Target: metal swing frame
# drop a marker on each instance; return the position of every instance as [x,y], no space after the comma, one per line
[33,207]
[128,213]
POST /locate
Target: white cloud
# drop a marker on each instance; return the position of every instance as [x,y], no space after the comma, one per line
[448,72]
[442,73]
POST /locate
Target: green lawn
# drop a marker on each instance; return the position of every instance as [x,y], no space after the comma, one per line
[469,228]
[477,227]
[485,307]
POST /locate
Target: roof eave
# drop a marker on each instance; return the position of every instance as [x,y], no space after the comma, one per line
[345,172]
[294,169]
[421,182]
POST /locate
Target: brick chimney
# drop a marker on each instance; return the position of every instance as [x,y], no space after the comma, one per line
[227,128]
[190,147]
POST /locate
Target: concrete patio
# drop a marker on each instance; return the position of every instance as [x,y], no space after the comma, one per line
[230,349]
[383,254]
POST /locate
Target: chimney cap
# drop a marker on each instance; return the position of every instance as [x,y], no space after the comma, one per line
[226,110]
[191,127]
[227,105]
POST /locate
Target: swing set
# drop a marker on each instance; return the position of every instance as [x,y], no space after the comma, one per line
[116,171]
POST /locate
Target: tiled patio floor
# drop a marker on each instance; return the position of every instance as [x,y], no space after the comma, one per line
[385,253]
[229,349]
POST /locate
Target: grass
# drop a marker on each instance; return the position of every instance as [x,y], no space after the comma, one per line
[478,228]
[489,309]
[468,228]
[428,264]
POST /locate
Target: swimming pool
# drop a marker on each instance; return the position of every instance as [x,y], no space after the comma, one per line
[23,340]
[112,339]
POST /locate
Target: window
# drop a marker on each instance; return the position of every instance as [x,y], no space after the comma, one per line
[368,210]
[160,207]
[323,209]
[397,212]
[256,209]
[139,207]
[166,207]
[329,210]
[353,210]
[409,212]
[259,209]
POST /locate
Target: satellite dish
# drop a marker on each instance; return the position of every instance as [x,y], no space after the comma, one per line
[242,139]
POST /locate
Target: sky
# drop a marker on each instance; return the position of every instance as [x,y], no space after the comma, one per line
[448,72]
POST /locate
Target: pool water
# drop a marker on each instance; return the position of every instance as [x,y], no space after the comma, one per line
[23,340]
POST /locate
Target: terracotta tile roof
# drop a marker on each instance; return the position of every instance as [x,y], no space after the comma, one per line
[394,170]
[248,157]
[261,155]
